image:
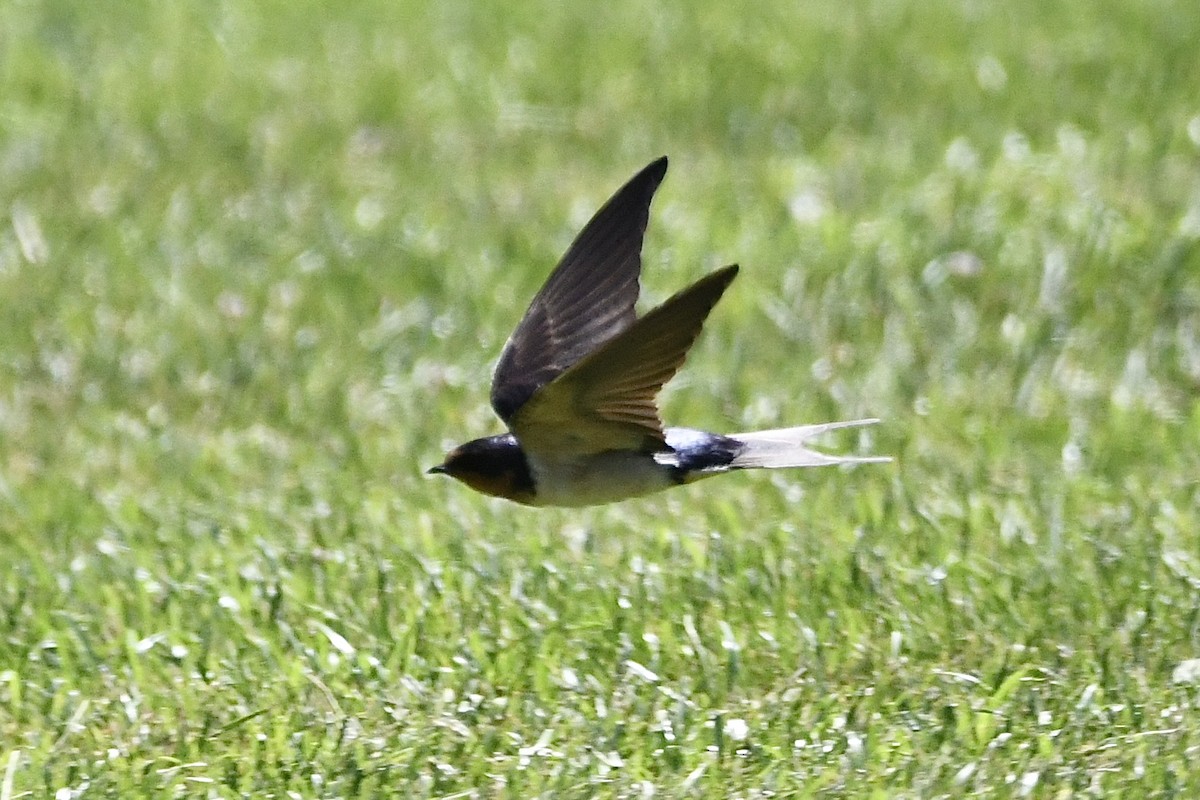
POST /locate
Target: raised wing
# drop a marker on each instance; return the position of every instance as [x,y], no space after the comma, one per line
[587,300]
[607,401]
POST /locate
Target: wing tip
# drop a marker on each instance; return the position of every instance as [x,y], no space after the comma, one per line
[721,278]
[653,173]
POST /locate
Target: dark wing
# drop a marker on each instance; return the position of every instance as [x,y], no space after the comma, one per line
[607,400]
[587,300]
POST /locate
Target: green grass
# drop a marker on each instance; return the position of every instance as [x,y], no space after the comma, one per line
[256,260]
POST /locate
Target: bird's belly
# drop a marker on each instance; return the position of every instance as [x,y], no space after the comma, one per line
[600,478]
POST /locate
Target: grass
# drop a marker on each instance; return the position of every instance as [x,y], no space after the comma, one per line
[256,261]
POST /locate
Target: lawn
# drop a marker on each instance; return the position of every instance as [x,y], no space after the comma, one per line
[257,261]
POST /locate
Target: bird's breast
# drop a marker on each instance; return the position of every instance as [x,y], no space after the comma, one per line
[598,478]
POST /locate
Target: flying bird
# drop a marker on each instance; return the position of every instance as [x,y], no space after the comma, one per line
[577,382]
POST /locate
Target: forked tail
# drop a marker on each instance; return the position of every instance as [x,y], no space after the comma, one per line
[788,447]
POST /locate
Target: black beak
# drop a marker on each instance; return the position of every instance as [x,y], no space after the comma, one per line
[438,470]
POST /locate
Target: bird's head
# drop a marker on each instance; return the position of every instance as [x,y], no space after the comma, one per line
[495,465]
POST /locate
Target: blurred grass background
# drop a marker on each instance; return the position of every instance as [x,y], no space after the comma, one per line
[257,259]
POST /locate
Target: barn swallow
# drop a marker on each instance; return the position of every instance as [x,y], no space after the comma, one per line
[577,382]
